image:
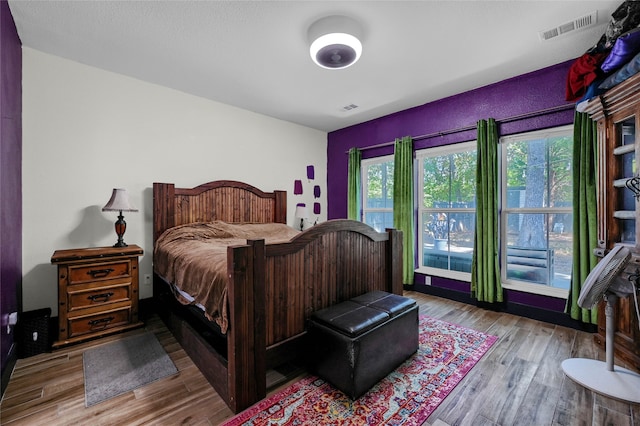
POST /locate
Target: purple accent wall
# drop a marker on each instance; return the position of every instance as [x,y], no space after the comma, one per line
[10,176]
[505,101]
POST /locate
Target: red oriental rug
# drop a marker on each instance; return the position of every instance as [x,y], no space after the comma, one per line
[407,396]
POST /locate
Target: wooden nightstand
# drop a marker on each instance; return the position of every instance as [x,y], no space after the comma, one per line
[97,292]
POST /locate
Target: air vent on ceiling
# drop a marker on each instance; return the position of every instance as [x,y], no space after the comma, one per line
[349,107]
[585,21]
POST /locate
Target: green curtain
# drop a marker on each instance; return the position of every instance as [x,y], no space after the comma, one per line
[354,197]
[403,213]
[585,223]
[485,267]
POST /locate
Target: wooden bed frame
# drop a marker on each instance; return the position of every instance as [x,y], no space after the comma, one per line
[272,289]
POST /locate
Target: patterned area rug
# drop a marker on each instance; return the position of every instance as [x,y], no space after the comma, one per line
[407,396]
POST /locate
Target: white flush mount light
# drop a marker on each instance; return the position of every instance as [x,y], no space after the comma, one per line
[335,42]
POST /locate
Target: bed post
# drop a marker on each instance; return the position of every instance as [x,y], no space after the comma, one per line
[163,208]
[259,317]
[280,207]
[394,259]
[246,338]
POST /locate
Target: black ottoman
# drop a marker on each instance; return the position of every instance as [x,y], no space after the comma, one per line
[355,344]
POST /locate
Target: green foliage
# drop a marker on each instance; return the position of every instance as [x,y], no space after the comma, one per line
[561,174]
[380,184]
[517,169]
[542,169]
[557,169]
[450,179]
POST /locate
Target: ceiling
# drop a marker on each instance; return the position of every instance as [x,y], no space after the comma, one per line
[254,54]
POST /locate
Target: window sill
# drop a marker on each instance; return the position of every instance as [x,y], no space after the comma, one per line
[444,273]
[540,289]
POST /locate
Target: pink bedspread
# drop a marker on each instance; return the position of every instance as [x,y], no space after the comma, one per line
[194,259]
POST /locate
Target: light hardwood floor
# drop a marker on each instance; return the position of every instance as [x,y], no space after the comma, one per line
[518,382]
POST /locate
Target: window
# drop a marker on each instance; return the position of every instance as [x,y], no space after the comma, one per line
[536,238]
[377,192]
[536,216]
[446,217]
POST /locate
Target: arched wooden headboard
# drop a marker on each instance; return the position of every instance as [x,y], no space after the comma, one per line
[226,200]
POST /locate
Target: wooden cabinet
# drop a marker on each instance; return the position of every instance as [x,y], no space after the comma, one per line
[97,292]
[617,113]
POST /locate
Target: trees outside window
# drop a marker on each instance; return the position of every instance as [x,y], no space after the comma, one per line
[447,209]
[536,216]
[377,181]
[535,208]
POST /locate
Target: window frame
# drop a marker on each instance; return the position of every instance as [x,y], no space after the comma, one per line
[420,209]
[508,283]
[504,211]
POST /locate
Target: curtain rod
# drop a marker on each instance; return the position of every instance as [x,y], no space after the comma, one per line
[473,127]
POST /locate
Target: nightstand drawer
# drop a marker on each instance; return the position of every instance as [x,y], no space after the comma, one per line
[98,322]
[99,271]
[97,292]
[85,297]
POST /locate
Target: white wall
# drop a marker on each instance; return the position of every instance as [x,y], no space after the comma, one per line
[86,131]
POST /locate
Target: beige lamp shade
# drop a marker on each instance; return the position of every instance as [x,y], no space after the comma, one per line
[119,202]
[302,212]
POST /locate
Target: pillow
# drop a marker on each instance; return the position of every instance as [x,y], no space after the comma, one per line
[196,231]
[625,48]
[629,69]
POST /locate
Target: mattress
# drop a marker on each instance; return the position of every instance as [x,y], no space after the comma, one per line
[193,259]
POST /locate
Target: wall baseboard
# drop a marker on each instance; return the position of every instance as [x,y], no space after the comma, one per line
[146,308]
[552,317]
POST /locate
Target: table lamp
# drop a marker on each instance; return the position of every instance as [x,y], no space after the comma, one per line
[119,202]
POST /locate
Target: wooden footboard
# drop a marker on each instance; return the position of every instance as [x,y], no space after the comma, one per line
[272,289]
[327,264]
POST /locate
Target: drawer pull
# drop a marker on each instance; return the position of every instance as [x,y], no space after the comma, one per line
[104,296]
[100,273]
[102,321]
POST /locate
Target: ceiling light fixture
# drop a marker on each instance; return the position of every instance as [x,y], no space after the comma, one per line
[335,42]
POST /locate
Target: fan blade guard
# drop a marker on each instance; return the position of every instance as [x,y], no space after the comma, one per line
[600,279]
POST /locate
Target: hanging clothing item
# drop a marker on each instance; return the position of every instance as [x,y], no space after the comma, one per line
[584,71]
[626,17]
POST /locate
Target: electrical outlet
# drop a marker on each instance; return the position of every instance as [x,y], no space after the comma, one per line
[147,279]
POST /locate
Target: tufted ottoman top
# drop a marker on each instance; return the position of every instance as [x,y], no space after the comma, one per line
[387,302]
[350,318]
[362,313]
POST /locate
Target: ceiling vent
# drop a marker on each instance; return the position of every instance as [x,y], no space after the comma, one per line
[577,24]
[349,107]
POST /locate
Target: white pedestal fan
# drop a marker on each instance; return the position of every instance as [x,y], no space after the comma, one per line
[605,378]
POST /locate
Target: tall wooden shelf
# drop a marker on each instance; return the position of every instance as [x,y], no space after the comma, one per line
[617,113]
